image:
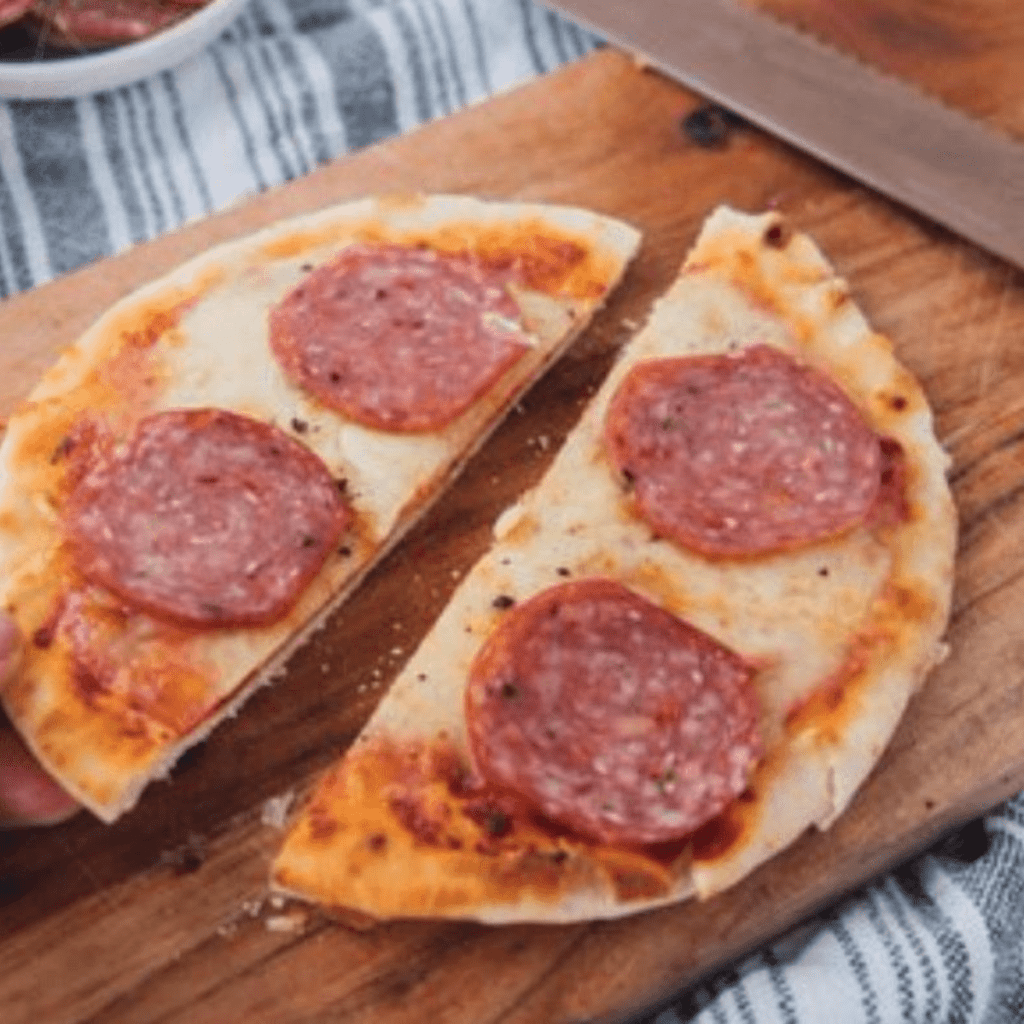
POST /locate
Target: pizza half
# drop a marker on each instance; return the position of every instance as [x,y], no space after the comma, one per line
[687,645]
[222,457]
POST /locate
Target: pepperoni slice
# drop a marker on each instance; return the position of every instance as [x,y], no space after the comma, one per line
[742,454]
[206,518]
[401,339]
[610,715]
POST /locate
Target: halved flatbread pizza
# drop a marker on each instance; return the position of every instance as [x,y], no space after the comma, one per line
[224,455]
[687,645]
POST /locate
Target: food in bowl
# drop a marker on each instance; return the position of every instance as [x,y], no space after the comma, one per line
[90,24]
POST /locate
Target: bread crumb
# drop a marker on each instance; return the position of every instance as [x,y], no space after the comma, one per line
[292,922]
[275,810]
[252,907]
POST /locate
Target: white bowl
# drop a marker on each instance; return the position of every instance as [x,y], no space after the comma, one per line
[66,77]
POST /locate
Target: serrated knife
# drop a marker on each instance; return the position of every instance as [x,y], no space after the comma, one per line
[876,128]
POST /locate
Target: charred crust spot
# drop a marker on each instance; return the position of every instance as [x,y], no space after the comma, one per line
[898,403]
[710,126]
[777,235]
[503,601]
[299,426]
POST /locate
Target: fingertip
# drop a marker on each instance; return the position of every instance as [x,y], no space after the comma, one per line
[28,796]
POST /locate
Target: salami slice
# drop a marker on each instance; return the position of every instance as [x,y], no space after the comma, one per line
[610,715]
[205,517]
[401,339]
[742,454]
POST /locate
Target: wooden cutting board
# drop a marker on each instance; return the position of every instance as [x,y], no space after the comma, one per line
[164,916]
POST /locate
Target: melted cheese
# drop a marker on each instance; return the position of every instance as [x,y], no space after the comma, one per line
[842,631]
[199,338]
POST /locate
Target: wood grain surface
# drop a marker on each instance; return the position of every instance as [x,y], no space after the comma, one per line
[164,916]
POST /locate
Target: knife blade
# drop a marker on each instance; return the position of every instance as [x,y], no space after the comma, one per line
[881,131]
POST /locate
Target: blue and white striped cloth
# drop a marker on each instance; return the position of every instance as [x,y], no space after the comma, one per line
[295,83]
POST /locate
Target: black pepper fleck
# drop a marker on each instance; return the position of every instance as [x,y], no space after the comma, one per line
[503,601]
[63,450]
[299,426]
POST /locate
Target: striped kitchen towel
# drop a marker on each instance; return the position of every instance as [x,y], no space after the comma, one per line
[290,85]
[295,83]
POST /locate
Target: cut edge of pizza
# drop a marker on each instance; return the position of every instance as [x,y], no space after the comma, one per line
[133,650]
[442,806]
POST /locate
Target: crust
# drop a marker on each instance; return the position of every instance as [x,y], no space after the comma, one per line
[198,337]
[843,631]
